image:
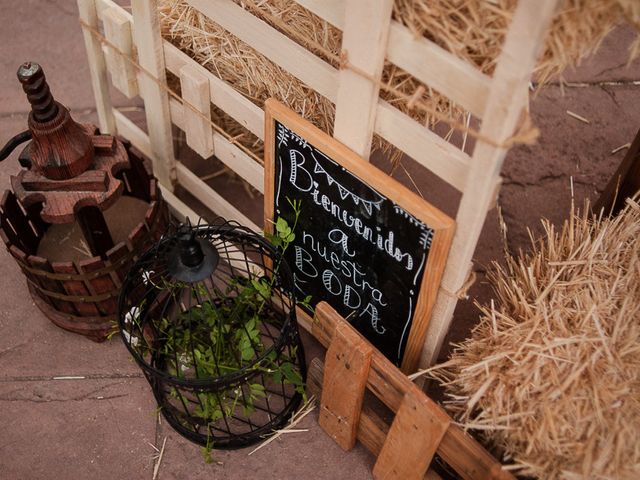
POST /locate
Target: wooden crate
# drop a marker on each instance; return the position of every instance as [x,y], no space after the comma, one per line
[369,36]
[420,428]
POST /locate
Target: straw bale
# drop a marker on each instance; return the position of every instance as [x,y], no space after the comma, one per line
[475,30]
[240,65]
[472,30]
[551,374]
[257,78]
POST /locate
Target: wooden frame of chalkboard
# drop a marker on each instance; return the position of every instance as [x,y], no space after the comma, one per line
[364,242]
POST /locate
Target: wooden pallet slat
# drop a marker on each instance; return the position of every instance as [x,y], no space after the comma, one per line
[223,95]
[425,147]
[348,360]
[330,10]
[197,124]
[364,45]
[412,441]
[97,67]
[148,42]
[390,385]
[210,198]
[502,114]
[451,76]
[228,153]
[277,47]
[117,30]
[133,133]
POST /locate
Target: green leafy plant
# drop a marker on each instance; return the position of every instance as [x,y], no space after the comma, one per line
[224,334]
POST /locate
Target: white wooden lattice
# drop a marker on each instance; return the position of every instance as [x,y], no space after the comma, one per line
[369,37]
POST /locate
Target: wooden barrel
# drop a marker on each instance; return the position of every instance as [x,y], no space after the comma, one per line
[82,296]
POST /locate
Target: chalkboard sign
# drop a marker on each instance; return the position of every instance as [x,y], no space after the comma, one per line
[363,242]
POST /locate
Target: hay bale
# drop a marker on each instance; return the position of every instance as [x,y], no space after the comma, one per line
[475,30]
[472,30]
[551,374]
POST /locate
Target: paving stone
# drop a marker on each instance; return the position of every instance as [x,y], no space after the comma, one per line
[537,179]
[76,429]
[611,60]
[61,429]
[48,33]
[311,454]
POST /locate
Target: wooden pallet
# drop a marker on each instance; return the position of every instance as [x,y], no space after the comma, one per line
[370,37]
[420,428]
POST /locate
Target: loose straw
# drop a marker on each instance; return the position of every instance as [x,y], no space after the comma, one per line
[525,134]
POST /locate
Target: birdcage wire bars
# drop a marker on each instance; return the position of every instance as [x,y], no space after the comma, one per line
[219,346]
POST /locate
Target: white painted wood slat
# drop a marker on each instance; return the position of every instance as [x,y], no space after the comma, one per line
[502,114]
[133,133]
[279,48]
[210,198]
[148,41]
[197,123]
[117,30]
[232,156]
[97,67]
[222,94]
[364,44]
[425,147]
[451,76]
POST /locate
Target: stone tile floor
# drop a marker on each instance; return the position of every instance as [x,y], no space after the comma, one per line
[102,423]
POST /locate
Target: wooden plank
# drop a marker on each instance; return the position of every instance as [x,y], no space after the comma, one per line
[195,92]
[140,181]
[451,76]
[76,288]
[280,49]
[94,229]
[33,212]
[501,117]
[221,93]
[26,237]
[460,451]
[117,30]
[178,208]
[372,429]
[100,285]
[133,133]
[330,10]
[148,42]
[413,439]
[210,198]
[49,284]
[102,5]
[347,369]
[425,147]
[364,43]
[228,153]
[97,67]
[114,256]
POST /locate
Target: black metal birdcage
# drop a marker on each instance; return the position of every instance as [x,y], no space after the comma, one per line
[209,315]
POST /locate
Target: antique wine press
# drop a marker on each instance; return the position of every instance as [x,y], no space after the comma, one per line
[81,209]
